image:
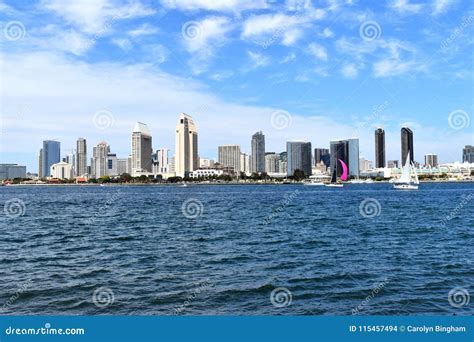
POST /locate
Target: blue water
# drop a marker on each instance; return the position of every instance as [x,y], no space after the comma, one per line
[233,246]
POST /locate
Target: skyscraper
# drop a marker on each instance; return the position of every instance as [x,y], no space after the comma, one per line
[163,161]
[468,154]
[272,162]
[186,155]
[81,157]
[321,155]
[257,163]
[245,163]
[348,151]
[99,160]
[40,163]
[379,148]
[229,155]
[51,155]
[431,160]
[299,157]
[141,149]
[407,144]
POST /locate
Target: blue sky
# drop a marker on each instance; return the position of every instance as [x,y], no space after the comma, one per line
[310,70]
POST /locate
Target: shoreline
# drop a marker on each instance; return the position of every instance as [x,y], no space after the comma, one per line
[217,184]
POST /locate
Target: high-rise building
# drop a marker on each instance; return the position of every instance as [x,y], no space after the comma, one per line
[51,155]
[40,163]
[112,167]
[245,163]
[468,154]
[99,160]
[322,155]
[407,144]
[347,151]
[141,149]
[431,159]
[162,156]
[62,170]
[206,163]
[186,156]
[229,155]
[81,157]
[379,148]
[365,164]
[124,165]
[257,162]
[393,164]
[10,171]
[299,157]
[272,162]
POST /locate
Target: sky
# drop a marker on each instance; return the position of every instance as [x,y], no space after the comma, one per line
[296,70]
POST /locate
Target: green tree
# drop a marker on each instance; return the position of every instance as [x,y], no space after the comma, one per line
[299,175]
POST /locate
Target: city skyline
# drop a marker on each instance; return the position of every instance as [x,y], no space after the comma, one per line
[294,70]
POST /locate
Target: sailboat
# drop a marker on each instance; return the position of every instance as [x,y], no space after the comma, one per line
[405,182]
[334,183]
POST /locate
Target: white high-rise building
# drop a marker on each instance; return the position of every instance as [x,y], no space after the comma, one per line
[81,157]
[99,160]
[229,155]
[206,163]
[245,163]
[162,156]
[272,163]
[186,157]
[141,149]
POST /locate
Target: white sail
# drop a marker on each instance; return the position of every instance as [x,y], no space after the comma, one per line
[416,175]
[405,177]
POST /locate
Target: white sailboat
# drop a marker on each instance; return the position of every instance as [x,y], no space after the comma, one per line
[406,181]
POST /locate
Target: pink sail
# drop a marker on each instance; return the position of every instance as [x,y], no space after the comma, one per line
[344,170]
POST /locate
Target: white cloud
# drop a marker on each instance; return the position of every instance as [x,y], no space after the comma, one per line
[93,17]
[318,51]
[392,67]
[257,60]
[327,33]
[289,58]
[441,6]
[143,30]
[211,5]
[122,43]
[405,7]
[349,71]
[208,32]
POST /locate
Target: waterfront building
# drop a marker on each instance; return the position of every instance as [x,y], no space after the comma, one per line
[141,149]
[348,151]
[393,164]
[81,157]
[51,154]
[257,160]
[204,173]
[62,170]
[124,165]
[162,156]
[112,167]
[245,163]
[40,164]
[99,160]
[206,163]
[431,160]
[299,157]
[407,144]
[322,155]
[186,155]
[272,162]
[379,148]
[468,154]
[365,164]
[10,171]
[229,155]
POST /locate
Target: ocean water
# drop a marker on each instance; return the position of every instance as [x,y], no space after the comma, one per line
[237,250]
